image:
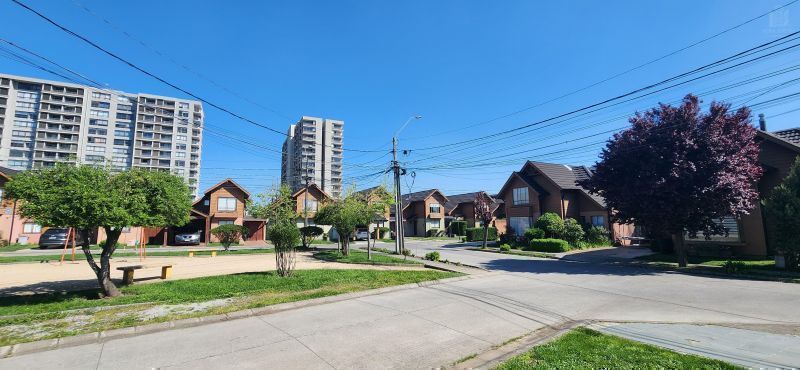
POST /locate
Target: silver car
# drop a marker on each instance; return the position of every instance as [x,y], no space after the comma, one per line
[362,234]
[187,238]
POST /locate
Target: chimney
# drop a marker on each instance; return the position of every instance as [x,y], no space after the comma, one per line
[762,122]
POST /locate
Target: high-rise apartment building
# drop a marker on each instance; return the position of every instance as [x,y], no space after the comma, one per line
[313,149]
[43,122]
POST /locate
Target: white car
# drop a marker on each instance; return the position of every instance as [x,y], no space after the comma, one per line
[362,235]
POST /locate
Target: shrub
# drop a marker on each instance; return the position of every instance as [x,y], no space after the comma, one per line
[432,256]
[597,235]
[463,239]
[383,232]
[573,232]
[505,248]
[229,234]
[102,245]
[735,267]
[309,233]
[534,233]
[475,234]
[548,245]
[433,232]
[551,224]
[458,228]
[406,253]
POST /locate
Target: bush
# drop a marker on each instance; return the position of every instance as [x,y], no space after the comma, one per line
[432,232]
[475,234]
[505,248]
[432,256]
[735,267]
[383,232]
[598,235]
[573,232]
[548,245]
[229,234]
[458,228]
[551,224]
[534,233]
[102,245]
[406,252]
[309,233]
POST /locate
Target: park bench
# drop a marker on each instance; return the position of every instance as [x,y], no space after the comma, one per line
[127,272]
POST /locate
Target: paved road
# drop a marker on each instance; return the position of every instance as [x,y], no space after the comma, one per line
[437,325]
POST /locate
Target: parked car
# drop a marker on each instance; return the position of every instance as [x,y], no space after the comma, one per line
[56,237]
[362,234]
[187,238]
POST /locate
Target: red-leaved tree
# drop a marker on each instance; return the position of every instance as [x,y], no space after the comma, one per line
[679,170]
[483,213]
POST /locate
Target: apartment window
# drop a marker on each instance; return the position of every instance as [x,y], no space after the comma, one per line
[24,124]
[31,228]
[18,163]
[226,204]
[124,116]
[180,154]
[28,115]
[121,151]
[21,144]
[183,105]
[120,133]
[25,105]
[182,130]
[97,131]
[99,95]
[19,153]
[521,196]
[98,113]
[98,122]
[101,104]
[311,205]
[729,223]
[519,224]
[94,158]
[180,163]
[147,135]
[96,140]
[181,137]
[95,149]
[16,133]
[180,146]
[226,222]
[434,208]
[183,114]
[122,142]
[27,95]
[119,160]
[124,107]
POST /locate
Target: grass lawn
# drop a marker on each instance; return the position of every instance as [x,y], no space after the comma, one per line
[80,256]
[16,247]
[589,349]
[752,263]
[323,242]
[56,315]
[360,257]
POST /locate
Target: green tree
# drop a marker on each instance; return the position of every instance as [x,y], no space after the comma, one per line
[89,197]
[783,213]
[229,234]
[551,224]
[573,232]
[345,215]
[280,210]
[310,233]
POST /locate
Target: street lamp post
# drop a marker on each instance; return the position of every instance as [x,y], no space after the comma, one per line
[399,242]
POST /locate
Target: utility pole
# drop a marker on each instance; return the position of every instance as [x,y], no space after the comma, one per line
[398,207]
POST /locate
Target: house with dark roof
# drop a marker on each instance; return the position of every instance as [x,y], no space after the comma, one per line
[308,202]
[539,187]
[422,211]
[461,207]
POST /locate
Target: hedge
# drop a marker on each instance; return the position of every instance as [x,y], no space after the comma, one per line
[548,245]
[475,234]
[459,228]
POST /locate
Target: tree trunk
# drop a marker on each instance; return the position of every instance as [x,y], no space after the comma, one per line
[485,234]
[346,246]
[680,249]
[103,272]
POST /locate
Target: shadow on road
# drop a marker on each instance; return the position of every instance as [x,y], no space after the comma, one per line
[545,266]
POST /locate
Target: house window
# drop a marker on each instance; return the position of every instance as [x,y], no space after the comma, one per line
[598,221]
[226,222]
[433,224]
[206,202]
[311,205]
[31,228]
[435,208]
[521,196]
[729,223]
[519,224]
[226,204]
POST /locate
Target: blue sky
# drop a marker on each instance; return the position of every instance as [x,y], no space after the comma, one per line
[374,64]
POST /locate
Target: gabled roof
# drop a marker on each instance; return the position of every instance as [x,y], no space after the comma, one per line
[791,135]
[8,173]
[418,197]
[526,179]
[566,177]
[220,184]
[454,200]
[310,186]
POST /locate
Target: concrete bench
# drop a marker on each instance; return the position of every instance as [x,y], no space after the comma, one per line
[213,253]
[127,272]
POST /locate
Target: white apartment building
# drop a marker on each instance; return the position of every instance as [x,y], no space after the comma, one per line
[313,149]
[43,122]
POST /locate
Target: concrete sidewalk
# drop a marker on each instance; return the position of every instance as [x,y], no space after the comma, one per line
[747,348]
[437,325]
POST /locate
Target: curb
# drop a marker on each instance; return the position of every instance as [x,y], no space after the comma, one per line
[709,273]
[108,335]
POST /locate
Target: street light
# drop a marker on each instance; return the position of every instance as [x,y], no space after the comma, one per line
[399,243]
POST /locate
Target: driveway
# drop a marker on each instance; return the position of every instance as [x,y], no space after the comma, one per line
[440,324]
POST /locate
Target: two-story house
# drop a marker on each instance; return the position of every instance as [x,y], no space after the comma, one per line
[307,202]
[539,188]
[12,226]
[462,207]
[422,211]
[224,203]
